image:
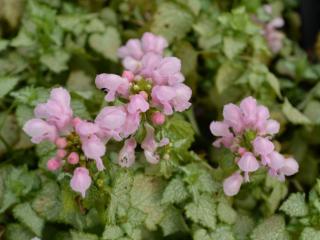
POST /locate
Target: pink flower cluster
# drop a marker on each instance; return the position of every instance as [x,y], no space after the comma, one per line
[149,89]
[72,136]
[247,131]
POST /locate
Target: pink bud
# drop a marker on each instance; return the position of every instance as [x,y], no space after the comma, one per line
[61,153]
[61,142]
[128,75]
[53,164]
[76,121]
[241,151]
[80,180]
[232,184]
[158,118]
[290,167]
[248,163]
[73,158]
[263,146]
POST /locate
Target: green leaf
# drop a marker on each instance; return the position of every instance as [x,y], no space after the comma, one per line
[274,83]
[83,236]
[309,233]
[17,232]
[273,228]
[9,132]
[173,222]
[226,76]
[203,211]
[295,205]
[201,234]
[25,214]
[293,114]
[47,204]
[31,96]
[107,43]
[146,195]
[79,108]
[312,111]
[226,213]
[23,114]
[233,46]
[179,132]
[175,192]
[243,227]
[171,21]
[112,232]
[223,233]
[3,44]
[7,84]
[56,61]
[120,198]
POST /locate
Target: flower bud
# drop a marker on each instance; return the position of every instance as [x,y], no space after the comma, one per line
[158,118]
[61,153]
[128,75]
[73,158]
[61,142]
[53,164]
[232,184]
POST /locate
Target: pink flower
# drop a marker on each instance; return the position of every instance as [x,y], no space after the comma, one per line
[73,158]
[262,146]
[131,49]
[248,163]
[113,84]
[137,103]
[272,127]
[94,148]
[131,124]
[290,167]
[111,121]
[39,130]
[61,153]
[232,116]
[128,75]
[232,184]
[158,118]
[80,181]
[150,145]
[181,100]
[220,129]
[53,164]
[162,96]
[56,110]
[262,117]
[153,43]
[276,161]
[127,154]
[148,64]
[168,72]
[248,108]
[86,129]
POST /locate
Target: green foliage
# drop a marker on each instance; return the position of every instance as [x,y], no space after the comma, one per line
[295,205]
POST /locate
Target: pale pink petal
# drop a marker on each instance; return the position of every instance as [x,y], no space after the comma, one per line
[80,181]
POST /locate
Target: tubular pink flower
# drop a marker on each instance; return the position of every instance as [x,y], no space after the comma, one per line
[276,161]
[162,96]
[127,154]
[248,163]
[263,146]
[132,49]
[111,122]
[248,108]
[94,148]
[232,184]
[80,181]
[39,130]
[181,100]
[168,72]
[153,43]
[113,84]
[272,127]
[56,110]
[220,129]
[138,104]
[232,116]
[290,167]
[131,124]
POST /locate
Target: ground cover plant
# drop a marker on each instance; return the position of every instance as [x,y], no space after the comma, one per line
[139,119]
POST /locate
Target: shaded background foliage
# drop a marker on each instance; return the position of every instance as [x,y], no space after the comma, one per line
[46,43]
